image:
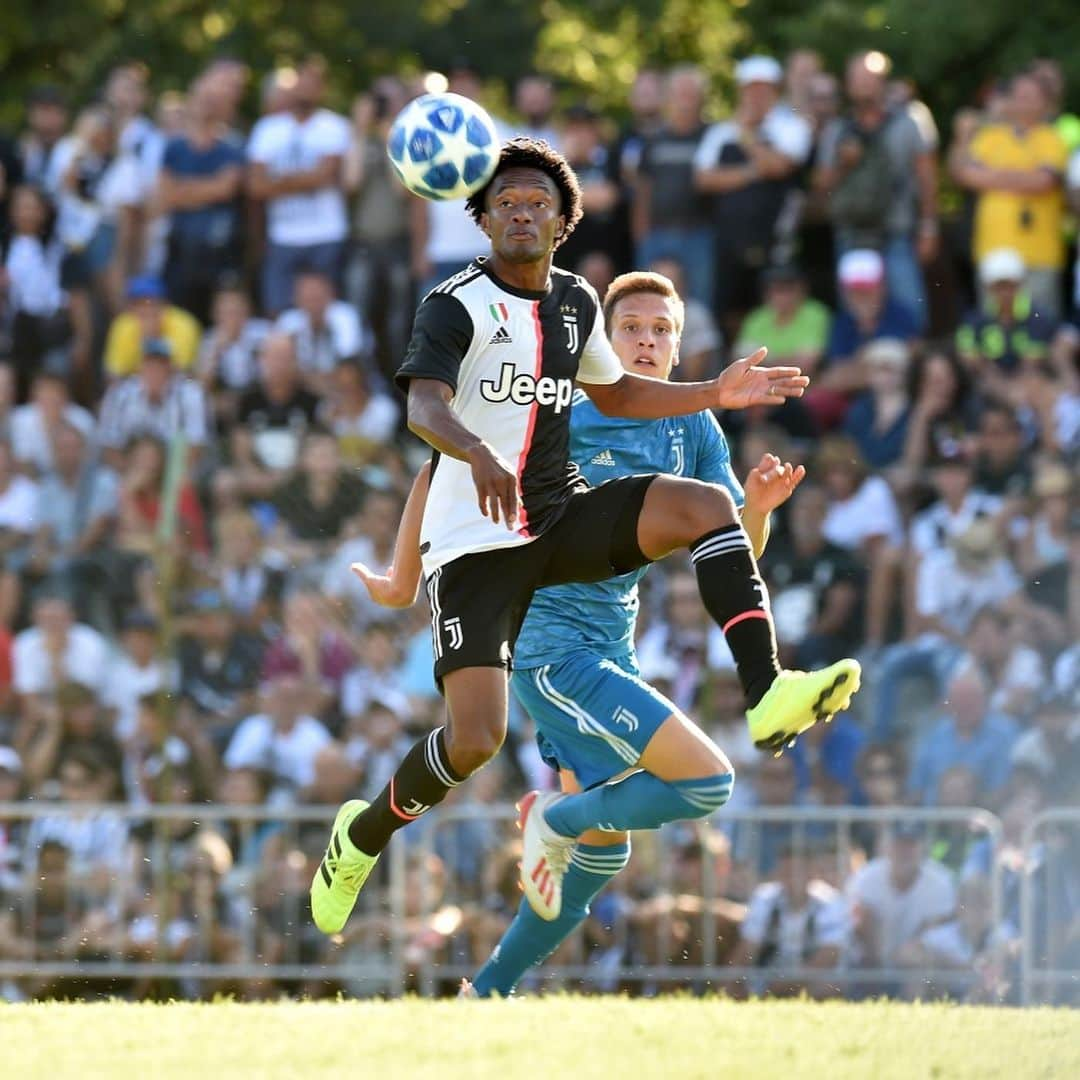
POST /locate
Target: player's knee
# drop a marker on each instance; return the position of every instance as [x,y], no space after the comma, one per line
[707,507]
[471,748]
[706,795]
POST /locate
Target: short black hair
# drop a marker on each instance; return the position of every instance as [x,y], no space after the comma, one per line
[523,152]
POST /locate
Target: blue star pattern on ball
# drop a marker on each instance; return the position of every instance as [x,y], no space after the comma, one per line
[443,146]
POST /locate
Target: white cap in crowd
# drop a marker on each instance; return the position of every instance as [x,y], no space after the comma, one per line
[861,269]
[1002,264]
[758,69]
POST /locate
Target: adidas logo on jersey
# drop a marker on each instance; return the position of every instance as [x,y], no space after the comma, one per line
[605,457]
[502,337]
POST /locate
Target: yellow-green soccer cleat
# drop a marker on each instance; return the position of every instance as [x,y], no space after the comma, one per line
[341,874]
[797,700]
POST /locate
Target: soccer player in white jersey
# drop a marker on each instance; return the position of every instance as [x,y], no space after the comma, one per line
[489,375]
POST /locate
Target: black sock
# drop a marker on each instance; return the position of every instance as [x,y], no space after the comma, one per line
[422,780]
[735,596]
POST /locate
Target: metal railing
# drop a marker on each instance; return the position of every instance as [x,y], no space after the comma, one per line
[1047,873]
[822,834]
[256,926]
[215,897]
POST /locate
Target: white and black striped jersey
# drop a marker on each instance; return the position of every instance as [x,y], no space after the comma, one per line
[512,358]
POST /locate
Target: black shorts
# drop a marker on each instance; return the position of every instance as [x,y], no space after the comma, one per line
[478,602]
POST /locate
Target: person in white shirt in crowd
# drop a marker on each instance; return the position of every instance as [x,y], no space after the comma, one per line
[795,921]
[325,329]
[969,942]
[228,362]
[362,415]
[158,401]
[32,299]
[748,165]
[296,168]
[54,650]
[997,643]
[862,518]
[77,507]
[953,582]
[18,522]
[34,425]
[896,897]
[376,672]
[98,189]
[135,671]
[281,740]
[127,93]
[959,503]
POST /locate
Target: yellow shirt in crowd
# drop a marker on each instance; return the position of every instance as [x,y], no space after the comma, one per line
[1032,224]
[123,345]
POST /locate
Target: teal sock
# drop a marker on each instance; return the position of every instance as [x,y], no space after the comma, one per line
[639,801]
[529,939]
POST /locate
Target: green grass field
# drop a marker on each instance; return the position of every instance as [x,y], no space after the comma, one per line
[547,1039]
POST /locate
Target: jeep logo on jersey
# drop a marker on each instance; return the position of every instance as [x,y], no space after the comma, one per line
[523,389]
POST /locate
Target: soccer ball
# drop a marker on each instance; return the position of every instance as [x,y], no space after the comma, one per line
[443,146]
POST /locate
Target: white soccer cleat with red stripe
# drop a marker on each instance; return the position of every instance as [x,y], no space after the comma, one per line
[546,855]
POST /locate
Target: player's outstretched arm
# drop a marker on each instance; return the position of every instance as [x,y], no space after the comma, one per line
[432,419]
[742,384]
[397,588]
[768,485]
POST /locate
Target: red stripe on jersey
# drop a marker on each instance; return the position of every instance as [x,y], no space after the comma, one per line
[523,517]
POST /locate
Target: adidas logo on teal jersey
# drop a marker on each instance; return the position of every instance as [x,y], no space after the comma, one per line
[605,457]
[502,337]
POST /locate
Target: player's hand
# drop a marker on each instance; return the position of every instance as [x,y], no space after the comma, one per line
[746,382]
[771,483]
[496,486]
[386,589]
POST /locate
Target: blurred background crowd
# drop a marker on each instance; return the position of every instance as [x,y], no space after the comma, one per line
[203,295]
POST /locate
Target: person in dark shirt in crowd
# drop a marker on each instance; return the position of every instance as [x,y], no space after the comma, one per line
[669,218]
[605,226]
[881,176]
[879,417]
[868,312]
[47,122]
[747,165]
[1002,463]
[816,587]
[316,501]
[219,665]
[199,187]
[272,418]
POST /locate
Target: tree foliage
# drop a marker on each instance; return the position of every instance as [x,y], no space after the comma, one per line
[593,47]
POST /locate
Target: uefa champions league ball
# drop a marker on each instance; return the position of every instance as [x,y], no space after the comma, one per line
[443,146]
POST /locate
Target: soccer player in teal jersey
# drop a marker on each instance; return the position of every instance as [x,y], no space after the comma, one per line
[604,729]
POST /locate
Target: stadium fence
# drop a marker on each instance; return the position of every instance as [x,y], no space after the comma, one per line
[439,897]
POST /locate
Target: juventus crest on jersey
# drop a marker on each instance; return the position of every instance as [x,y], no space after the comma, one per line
[512,358]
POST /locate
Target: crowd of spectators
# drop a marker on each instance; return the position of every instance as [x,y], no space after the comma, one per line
[199,316]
